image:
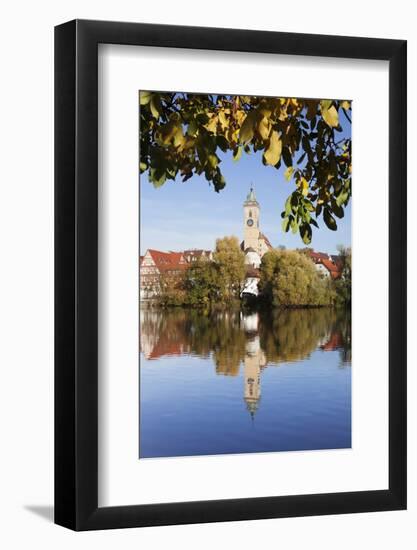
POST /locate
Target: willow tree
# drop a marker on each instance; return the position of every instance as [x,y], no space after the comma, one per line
[290,279]
[182,135]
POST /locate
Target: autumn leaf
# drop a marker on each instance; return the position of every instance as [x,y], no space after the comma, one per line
[238,153]
[247,128]
[303,185]
[223,120]
[330,116]
[155,105]
[145,97]
[325,104]
[264,128]
[288,173]
[273,151]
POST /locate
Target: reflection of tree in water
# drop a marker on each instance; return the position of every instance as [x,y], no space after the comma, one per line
[194,332]
[284,335]
[291,335]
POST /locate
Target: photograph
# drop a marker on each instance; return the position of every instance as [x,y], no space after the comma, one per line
[209,226]
[244,274]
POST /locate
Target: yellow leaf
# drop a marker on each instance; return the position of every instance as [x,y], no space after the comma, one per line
[179,138]
[213,161]
[240,116]
[265,112]
[304,186]
[223,120]
[288,173]
[145,97]
[325,104]
[264,127]
[330,116]
[273,151]
[170,132]
[345,104]
[283,114]
[247,128]
[155,105]
[212,125]
[238,153]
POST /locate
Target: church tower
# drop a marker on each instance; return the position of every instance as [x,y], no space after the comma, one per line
[251,222]
[255,360]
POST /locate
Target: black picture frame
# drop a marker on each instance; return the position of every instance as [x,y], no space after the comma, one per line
[76,272]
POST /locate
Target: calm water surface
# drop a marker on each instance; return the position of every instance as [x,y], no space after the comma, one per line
[231,382]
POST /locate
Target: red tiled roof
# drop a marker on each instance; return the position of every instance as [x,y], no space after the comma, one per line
[337,260]
[335,271]
[333,264]
[318,255]
[167,261]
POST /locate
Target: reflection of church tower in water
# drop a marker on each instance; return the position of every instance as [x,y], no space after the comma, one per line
[254,361]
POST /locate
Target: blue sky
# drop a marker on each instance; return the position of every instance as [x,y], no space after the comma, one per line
[180,216]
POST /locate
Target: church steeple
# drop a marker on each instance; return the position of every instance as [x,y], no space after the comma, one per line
[251,198]
[253,362]
[251,221]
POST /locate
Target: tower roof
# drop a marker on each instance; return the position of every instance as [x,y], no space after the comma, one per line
[251,198]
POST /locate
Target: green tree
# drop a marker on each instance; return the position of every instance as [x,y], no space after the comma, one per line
[343,285]
[181,135]
[207,283]
[230,262]
[201,283]
[171,289]
[290,279]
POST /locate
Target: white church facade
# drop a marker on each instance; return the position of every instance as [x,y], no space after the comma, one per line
[254,245]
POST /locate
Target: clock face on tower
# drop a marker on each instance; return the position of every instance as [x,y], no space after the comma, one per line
[250,222]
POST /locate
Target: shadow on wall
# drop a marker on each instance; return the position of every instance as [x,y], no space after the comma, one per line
[45,512]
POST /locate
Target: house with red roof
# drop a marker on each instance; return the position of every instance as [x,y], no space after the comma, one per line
[156,264]
[329,266]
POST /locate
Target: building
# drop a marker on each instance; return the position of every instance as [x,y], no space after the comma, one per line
[156,264]
[254,245]
[328,265]
[194,255]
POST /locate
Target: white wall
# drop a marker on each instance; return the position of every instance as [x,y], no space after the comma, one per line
[26,301]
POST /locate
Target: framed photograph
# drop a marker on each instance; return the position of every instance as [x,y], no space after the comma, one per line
[230,244]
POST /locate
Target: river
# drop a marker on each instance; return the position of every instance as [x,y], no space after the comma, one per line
[234,382]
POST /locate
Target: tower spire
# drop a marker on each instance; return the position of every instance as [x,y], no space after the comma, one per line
[250,197]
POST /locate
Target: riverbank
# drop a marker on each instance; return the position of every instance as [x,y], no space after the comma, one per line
[244,305]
